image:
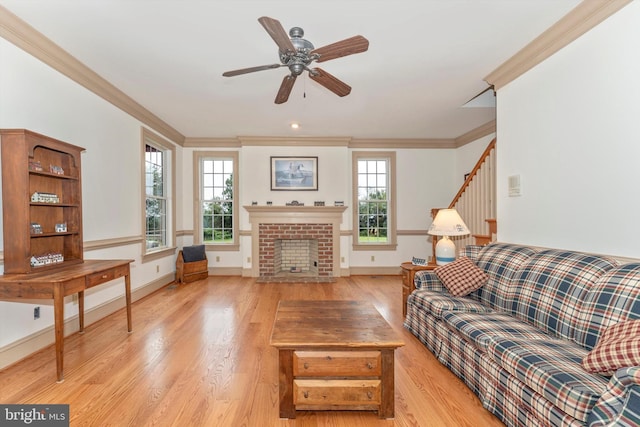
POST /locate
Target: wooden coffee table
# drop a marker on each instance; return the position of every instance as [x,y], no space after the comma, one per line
[334,355]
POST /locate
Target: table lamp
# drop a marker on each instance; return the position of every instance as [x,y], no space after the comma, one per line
[447,223]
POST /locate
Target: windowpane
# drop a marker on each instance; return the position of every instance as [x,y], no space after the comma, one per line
[155,197]
[372,196]
[217,190]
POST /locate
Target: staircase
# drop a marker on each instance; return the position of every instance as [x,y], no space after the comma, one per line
[476,201]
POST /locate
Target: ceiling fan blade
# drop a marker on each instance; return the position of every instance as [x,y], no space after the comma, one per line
[355,44]
[277,33]
[285,89]
[250,70]
[336,86]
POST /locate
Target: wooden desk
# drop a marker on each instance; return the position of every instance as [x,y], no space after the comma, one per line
[57,284]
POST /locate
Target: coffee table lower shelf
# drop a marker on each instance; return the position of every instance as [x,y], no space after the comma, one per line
[336,379]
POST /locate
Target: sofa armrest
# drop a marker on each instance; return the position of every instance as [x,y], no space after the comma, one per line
[619,405]
[427,279]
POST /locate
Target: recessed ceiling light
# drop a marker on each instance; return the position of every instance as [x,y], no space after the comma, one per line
[295,125]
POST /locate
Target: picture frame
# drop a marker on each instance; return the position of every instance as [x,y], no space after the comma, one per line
[291,173]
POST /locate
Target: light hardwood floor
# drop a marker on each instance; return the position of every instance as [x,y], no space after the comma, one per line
[199,355]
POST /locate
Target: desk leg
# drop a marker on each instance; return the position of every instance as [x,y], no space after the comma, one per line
[58,314]
[127,293]
[81,310]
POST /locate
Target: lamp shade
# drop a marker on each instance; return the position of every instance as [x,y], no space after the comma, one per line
[448,223]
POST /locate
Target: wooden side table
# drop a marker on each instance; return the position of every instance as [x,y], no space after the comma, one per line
[408,273]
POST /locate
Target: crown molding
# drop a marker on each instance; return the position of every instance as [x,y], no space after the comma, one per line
[303,141]
[307,141]
[581,19]
[211,142]
[477,133]
[27,38]
[402,143]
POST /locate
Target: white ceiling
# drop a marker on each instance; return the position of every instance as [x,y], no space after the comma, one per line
[426,59]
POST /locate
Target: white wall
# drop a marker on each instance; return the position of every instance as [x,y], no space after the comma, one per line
[425,179]
[570,128]
[35,97]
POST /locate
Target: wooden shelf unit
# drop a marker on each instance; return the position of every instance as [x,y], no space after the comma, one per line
[21,149]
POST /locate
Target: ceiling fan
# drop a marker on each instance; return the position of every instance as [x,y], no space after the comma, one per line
[297,54]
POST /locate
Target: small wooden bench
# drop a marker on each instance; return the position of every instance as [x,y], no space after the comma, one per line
[190,270]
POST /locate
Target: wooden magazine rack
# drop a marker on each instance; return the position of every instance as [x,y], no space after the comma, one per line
[189,270]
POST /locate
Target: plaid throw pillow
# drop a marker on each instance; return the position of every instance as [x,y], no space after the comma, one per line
[618,347]
[461,277]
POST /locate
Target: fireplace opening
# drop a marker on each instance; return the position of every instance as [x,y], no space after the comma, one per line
[295,257]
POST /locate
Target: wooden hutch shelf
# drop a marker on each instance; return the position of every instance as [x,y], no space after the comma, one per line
[42,220]
[41,185]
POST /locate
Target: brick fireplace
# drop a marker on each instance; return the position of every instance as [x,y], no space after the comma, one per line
[274,236]
[319,226]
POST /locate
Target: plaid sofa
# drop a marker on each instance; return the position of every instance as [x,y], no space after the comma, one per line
[519,340]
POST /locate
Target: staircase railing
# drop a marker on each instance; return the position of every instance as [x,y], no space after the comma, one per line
[476,199]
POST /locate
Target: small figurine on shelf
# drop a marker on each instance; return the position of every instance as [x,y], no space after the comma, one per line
[40,260]
[56,170]
[61,228]
[34,165]
[40,197]
[36,228]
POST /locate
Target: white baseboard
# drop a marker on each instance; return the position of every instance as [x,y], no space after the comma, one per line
[28,345]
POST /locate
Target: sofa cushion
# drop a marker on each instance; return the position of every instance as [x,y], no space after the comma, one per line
[551,368]
[618,347]
[614,298]
[435,303]
[550,287]
[482,328]
[461,276]
[500,261]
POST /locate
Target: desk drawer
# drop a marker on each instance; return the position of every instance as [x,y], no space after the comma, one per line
[336,392]
[337,363]
[106,275]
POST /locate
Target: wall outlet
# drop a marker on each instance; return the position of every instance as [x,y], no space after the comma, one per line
[217,259]
[248,260]
[157,268]
[341,259]
[36,313]
[373,258]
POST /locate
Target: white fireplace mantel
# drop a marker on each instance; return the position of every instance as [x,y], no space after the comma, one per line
[294,215]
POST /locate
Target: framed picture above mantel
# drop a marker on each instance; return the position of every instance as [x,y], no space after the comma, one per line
[294,173]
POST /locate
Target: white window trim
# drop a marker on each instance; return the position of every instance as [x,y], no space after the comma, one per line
[197,197]
[150,138]
[391,209]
